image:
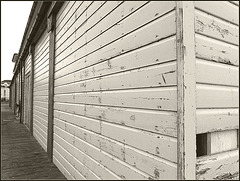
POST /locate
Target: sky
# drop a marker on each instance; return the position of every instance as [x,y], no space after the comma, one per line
[14,16]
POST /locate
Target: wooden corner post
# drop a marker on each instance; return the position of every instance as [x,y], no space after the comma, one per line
[51,29]
[31,52]
[186,91]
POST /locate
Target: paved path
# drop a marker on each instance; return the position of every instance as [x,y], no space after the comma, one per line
[22,157]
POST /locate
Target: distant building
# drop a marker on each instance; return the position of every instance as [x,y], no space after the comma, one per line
[5,90]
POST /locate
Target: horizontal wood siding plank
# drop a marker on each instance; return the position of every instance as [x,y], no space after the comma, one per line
[81,121]
[159,169]
[216,28]
[155,121]
[164,147]
[115,84]
[92,164]
[41,87]
[40,131]
[62,169]
[41,104]
[79,12]
[107,144]
[123,45]
[41,109]
[216,9]
[70,168]
[157,53]
[216,51]
[40,117]
[155,98]
[219,166]
[209,96]
[40,125]
[93,29]
[40,98]
[27,64]
[119,167]
[40,138]
[211,120]
[41,82]
[216,73]
[132,155]
[79,27]
[162,75]
[63,11]
[80,167]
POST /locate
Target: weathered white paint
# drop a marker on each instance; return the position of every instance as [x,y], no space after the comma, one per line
[219,166]
[216,28]
[40,89]
[153,54]
[217,69]
[223,74]
[213,96]
[162,122]
[115,84]
[186,91]
[217,10]
[223,141]
[211,120]
[27,64]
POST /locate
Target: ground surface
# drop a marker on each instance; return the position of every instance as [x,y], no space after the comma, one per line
[21,155]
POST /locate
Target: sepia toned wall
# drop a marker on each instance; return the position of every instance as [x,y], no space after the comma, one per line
[40,89]
[217,72]
[115,90]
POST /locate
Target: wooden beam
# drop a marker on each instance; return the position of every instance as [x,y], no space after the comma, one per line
[221,141]
[22,91]
[31,52]
[186,93]
[51,29]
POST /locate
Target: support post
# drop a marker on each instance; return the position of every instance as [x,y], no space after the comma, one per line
[51,29]
[31,52]
[22,92]
[186,91]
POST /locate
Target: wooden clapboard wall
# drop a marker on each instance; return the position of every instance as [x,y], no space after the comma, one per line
[26,92]
[217,68]
[115,90]
[40,90]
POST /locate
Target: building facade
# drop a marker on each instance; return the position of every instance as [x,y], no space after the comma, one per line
[5,90]
[132,90]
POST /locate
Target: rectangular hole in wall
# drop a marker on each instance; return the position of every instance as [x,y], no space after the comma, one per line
[217,142]
[201,144]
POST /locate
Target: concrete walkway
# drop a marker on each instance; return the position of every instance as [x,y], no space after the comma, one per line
[22,157]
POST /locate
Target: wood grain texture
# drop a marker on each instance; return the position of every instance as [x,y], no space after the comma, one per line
[219,166]
[186,91]
[222,141]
